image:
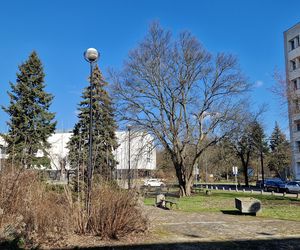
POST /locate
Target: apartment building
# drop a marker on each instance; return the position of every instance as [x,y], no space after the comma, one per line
[292,64]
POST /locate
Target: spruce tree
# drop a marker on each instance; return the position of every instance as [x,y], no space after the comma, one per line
[104,127]
[280,153]
[259,138]
[31,122]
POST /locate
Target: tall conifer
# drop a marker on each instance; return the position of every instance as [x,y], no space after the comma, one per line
[31,122]
[280,156]
[104,127]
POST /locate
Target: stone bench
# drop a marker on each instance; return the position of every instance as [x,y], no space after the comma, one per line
[160,201]
[248,205]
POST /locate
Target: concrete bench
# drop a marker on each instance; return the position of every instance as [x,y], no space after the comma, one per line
[160,201]
[248,205]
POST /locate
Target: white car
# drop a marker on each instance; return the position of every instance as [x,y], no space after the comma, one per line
[154,183]
[292,187]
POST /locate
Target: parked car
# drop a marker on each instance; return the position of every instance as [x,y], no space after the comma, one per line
[154,183]
[292,187]
[276,185]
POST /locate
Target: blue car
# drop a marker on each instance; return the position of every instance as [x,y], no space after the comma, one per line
[276,185]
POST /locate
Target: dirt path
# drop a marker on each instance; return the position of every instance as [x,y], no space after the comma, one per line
[171,229]
[176,226]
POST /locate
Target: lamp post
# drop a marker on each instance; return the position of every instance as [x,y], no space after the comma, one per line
[91,55]
[129,155]
[262,167]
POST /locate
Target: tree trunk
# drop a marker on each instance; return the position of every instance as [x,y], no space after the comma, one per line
[182,185]
[185,179]
[245,170]
[185,189]
[245,162]
[185,184]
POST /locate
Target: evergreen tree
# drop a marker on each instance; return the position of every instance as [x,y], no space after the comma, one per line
[261,146]
[104,127]
[280,153]
[31,122]
[259,138]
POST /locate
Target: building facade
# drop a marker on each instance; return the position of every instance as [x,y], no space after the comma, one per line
[292,65]
[140,151]
[135,150]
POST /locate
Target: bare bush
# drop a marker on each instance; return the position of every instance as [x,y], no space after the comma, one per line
[39,214]
[28,210]
[115,213]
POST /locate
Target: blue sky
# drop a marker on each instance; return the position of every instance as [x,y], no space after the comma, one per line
[60,31]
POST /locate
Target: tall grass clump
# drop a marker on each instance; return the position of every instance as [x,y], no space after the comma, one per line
[28,210]
[36,213]
[115,212]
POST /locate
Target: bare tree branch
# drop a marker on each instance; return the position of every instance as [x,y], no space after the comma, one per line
[180,93]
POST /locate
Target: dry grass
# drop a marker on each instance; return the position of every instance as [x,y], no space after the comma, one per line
[28,210]
[37,214]
[115,213]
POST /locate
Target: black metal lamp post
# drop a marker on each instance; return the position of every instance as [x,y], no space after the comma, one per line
[262,167]
[129,155]
[91,55]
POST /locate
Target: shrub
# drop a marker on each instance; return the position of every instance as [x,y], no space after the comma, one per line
[37,213]
[115,213]
[28,210]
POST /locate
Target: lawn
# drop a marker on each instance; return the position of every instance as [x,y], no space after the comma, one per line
[273,206]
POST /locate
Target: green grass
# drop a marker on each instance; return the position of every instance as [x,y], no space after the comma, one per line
[272,206]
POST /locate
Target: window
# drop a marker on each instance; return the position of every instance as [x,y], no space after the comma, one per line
[293,65]
[297,125]
[292,44]
[297,108]
[295,84]
[149,154]
[298,167]
[298,146]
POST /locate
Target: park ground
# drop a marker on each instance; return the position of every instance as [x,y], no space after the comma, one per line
[210,222]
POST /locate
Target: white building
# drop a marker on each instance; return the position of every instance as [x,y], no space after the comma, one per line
[292,64]
[142,151]
[3,155]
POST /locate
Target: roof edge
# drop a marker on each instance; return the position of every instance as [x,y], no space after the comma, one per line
[292,27]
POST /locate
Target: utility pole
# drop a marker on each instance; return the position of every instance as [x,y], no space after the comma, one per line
[262,167]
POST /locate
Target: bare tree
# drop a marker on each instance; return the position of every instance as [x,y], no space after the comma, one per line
[248,138]
[281,90]
[285,92]
[243,145]
[180,93]
[221,159]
